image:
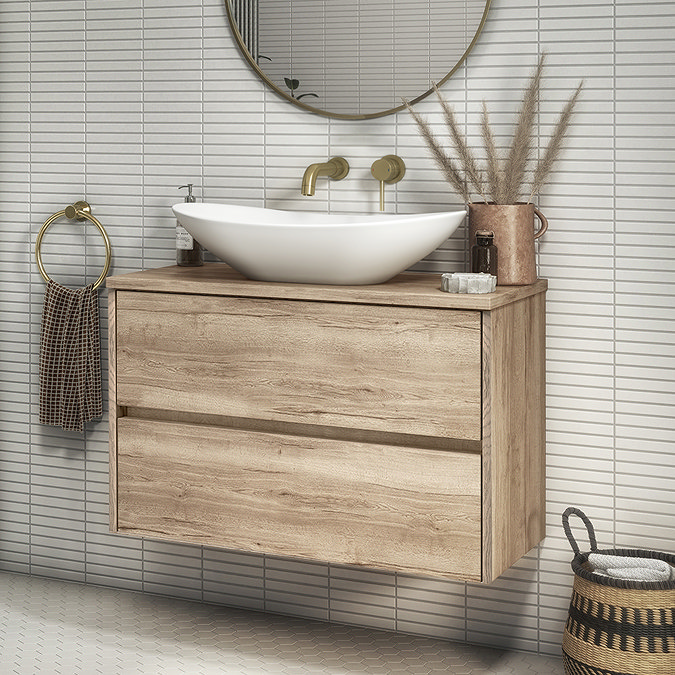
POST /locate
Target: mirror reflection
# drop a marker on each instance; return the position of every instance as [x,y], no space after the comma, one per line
[355,58]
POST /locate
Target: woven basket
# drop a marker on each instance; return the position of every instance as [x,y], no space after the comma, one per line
[617,627]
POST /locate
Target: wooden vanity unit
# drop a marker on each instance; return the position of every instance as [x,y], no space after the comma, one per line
[393,426]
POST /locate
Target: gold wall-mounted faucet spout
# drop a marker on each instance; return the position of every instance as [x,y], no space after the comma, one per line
[335,168]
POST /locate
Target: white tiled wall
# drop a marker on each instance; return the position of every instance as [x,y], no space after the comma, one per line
[122,101]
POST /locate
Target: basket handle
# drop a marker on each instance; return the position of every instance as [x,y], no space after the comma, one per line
[568,531]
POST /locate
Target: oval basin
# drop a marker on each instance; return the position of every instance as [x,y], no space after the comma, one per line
[315,248]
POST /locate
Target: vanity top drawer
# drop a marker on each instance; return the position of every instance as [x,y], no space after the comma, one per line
[379,368]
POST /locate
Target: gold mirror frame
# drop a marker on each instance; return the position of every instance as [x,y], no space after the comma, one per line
[249,59]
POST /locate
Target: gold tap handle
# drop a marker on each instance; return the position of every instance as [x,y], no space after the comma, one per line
[388,169]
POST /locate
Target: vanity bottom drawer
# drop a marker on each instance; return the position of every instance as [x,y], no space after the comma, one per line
[397,508]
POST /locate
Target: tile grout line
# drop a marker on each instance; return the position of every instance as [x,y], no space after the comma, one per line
[538,556]
[31,287]
[614,269]
[329,588]
[85,161]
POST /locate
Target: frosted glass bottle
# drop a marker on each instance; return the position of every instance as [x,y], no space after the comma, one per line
[189,252]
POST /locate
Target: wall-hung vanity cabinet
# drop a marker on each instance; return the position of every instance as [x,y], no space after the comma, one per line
[392,426]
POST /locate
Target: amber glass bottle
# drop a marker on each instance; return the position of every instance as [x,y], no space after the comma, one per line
[484,253]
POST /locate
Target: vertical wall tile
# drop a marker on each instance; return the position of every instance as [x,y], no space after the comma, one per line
[645,359]
[146,95]
[15,263]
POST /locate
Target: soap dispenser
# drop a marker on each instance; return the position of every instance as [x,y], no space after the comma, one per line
[189,253]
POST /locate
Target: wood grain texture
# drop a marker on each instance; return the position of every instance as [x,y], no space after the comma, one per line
[314,430]
[408,289]
[379,506]
[394,369]
[388,431]
[113,413]
[513,433]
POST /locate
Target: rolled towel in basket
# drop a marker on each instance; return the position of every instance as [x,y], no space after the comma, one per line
[631,569]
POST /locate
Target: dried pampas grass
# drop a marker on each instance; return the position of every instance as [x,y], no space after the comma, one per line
[502,181]
[445,164]
[466,157]
[545,164]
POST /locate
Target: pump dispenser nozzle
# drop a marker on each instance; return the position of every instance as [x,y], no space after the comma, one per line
[189,197]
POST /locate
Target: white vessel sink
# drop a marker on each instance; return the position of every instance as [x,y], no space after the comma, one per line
[317,248]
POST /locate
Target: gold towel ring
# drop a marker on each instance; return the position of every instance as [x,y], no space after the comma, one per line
[80,211]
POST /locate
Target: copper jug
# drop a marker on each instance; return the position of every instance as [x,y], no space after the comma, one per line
[514,235]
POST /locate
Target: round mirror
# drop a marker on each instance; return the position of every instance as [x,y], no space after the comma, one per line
[355,59]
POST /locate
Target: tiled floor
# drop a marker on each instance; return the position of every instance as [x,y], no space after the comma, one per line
[58,628]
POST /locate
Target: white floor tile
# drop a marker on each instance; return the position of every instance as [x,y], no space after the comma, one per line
[51,627]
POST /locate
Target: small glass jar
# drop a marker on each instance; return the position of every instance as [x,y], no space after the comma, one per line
[484,253]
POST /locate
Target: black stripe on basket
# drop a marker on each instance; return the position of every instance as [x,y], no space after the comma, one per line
[618,628]
[574,667]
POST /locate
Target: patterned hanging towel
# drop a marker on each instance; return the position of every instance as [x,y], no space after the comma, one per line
[70,357]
